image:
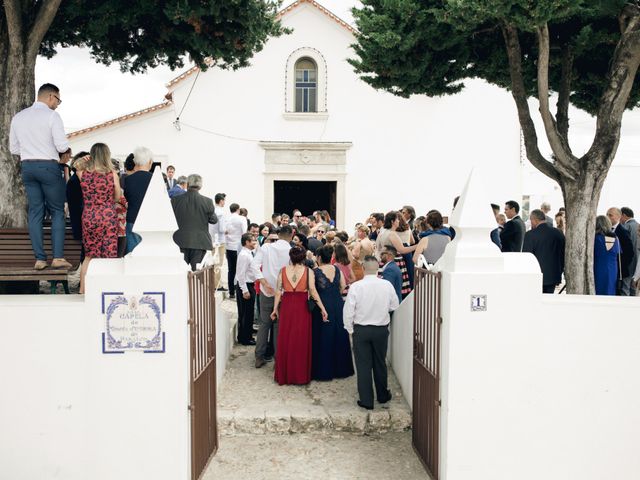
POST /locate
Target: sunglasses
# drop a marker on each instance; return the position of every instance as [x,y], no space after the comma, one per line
[319,231]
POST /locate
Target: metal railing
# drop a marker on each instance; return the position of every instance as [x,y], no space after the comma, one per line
[202,329]
[426,368]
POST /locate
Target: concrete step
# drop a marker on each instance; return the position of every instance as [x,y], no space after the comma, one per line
[251,403]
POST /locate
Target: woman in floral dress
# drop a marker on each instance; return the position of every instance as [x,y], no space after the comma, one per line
[100,192]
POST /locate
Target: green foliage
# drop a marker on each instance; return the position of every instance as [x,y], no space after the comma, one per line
[145,33]
[430,46]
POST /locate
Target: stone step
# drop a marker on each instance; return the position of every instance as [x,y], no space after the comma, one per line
[251,403]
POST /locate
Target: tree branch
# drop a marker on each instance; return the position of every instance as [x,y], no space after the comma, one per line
[560,148]
[564,94]
[44,18]
[14,23]
[514,54]
[613,102]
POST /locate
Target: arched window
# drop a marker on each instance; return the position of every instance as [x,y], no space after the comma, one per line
[306,85]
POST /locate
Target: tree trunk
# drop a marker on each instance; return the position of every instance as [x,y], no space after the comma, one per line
[17,91]
[581,202]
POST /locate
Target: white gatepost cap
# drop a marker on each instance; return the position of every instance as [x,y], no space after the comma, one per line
[156,224]
[472,249]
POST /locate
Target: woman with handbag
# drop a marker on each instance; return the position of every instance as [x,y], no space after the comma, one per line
[331,348]
[295,287]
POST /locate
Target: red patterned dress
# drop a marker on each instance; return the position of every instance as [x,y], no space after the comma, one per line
[99,218]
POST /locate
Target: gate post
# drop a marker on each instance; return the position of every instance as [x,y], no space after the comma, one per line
[439,301]
[138,360]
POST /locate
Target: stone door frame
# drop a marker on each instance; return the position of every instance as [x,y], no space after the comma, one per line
[306,161]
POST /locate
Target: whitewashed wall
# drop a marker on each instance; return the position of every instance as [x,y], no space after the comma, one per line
[401,347]
[538,386]
[43,374]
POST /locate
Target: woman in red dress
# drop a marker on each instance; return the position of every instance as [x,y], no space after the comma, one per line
[100,192]
[296,283]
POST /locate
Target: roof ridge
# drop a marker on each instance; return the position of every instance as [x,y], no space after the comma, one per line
[280,14]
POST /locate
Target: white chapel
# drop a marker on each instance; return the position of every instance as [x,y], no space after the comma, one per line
[299,129]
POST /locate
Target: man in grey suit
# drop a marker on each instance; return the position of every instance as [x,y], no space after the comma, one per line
[631,225]
[546,208]
[194,213]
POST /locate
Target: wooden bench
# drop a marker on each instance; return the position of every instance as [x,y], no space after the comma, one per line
[17,259]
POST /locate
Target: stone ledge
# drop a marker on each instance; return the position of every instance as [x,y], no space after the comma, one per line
[311,419]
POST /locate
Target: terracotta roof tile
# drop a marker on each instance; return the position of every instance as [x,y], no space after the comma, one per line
[114,121]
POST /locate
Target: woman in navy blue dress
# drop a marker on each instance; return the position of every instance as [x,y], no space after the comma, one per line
[605,257]
[331,351]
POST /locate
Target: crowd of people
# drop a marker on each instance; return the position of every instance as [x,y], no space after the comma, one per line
[310,283]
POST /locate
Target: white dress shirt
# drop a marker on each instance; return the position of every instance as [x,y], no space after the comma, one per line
[235,225]
[272,257]
[244,272]
[369,302]
[217,229]
[37,133]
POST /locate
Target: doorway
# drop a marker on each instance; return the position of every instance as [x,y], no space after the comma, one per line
[306,196]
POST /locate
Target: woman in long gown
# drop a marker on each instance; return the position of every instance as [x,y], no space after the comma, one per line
[296,283]
[331,348]
[605,257]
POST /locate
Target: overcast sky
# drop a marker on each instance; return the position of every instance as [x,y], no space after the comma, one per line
[93,93]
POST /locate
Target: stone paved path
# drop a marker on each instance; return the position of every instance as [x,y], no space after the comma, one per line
[318,456]
[307,432]
[250,402]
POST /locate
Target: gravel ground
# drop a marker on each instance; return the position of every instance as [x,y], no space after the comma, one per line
[316,456]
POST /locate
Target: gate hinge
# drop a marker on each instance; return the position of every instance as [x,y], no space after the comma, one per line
[191,408]
[439,402]
[440,320]
[190,322]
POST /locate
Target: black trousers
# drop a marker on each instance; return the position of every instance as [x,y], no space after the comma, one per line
[245,313]
[232,260]
[548,289]
[193,256]
[370,353]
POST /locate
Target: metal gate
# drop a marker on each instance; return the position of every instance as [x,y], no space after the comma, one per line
[426,368]
[202,327]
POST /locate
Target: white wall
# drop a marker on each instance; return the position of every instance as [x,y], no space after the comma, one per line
[538,386]
[43,375]
[401,347]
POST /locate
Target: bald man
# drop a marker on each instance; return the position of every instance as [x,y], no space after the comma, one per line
[627,255]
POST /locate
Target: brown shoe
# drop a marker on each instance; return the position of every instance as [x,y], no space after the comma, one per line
[60,263]
[40,265]
[260,362]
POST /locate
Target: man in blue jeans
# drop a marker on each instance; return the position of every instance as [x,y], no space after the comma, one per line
[37,136]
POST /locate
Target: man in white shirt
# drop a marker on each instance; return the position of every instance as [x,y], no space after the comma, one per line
[37,136]
[272,257]
[235,227]
[217,230]
[245,291]
[366,316]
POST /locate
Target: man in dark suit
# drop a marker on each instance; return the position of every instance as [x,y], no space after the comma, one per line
[631,225]
[547,244]
[170,181]
[194,213]
[512,236]
[626,245]
[180,187]
[390,271]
